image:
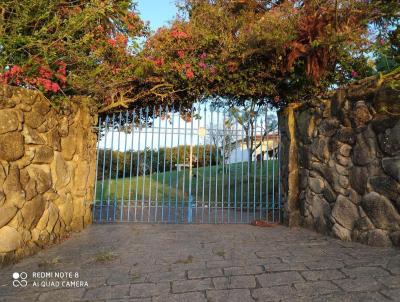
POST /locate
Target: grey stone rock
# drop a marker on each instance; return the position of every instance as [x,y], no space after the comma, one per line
[391,166]
[345,150]
[389,141]
[387,186]
[316,184]
[341,232]
[354,196]
[381,122]
[395,237]
[320,149]
[320,210]
[378,238]
[344,181]
[362,156]
[329,194]
[11,146]
[381,211]
[363,224]
[361,115]
[324,170]
[328,126]
[303,122]
[342,160]
[358,177]
[342,170]
[346,136]
[345,212]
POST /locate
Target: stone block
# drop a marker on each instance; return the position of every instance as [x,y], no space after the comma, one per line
[43,155]
[389,141]
[316,184]
[346,135]
[42,176]
[358,177]
[345,212]
[386,186]
[10,239]
[381,211]
[32,211]
[378,238]
[7,213]
[68,146]
[11,146]
[32,136]
[391,166]
[341,232]
[9,121]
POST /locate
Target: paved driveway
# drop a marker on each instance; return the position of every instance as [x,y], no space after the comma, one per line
[204,263]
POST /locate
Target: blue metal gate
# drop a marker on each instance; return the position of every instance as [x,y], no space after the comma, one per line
[208,165]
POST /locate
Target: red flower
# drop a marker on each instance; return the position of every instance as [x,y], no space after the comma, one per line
[55,87]
[121,39]
[45,73]
[15,70]
[112,42]
[181,53]
[46,83]
[189,74]
[354,74]
[178,34]
[159,62]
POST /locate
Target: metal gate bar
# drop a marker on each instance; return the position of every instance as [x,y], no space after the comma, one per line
[162,165]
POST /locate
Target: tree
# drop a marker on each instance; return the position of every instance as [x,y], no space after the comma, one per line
[224,139]
[256,123]
[266,51]
[83,47]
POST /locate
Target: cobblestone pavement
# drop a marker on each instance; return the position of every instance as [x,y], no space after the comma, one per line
[207,263]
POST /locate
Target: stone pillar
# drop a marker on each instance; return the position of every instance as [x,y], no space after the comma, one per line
[290,171]
[47,170]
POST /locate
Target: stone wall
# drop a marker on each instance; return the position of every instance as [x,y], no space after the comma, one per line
[47,171]
[342,163]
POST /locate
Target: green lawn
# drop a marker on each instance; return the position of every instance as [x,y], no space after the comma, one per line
[208,183]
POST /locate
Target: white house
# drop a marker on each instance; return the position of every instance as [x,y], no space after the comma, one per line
[267,149]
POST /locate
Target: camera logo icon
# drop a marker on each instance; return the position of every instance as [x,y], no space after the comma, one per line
[20,279]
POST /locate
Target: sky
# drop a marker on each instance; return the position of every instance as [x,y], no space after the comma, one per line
[158,12]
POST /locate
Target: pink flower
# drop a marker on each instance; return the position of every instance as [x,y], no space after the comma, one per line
[382,41]
[202,65]
[203,56]
[181,53]
[354,74]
